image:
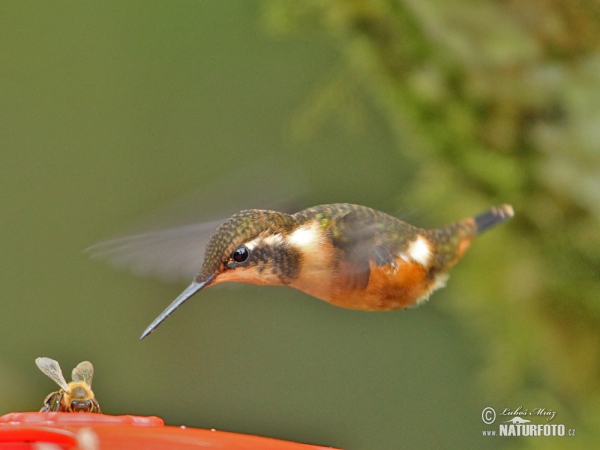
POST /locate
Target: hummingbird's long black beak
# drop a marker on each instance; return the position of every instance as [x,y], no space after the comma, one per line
[189,291]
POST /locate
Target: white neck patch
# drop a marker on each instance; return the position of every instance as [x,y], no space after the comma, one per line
[304,236]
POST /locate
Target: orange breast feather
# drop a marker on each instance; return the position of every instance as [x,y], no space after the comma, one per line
[388,289]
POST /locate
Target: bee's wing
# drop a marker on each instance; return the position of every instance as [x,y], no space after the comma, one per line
[83,372]
[51,369]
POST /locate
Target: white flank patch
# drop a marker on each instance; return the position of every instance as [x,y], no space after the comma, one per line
[440,281]
[419,251]
[303,236]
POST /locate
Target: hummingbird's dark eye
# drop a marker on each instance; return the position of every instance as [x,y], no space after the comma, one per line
[240,254]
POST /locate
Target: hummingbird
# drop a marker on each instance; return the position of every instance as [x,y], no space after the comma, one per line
[348,255]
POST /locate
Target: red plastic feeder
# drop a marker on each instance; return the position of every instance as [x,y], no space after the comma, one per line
[95,431]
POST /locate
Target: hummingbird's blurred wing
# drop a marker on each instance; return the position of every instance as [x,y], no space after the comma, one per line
[360,241]
[172,254]
[174,250]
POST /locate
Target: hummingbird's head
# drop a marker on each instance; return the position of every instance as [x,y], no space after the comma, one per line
[250,247]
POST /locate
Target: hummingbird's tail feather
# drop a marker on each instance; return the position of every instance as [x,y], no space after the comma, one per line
[452,241]
[493,217]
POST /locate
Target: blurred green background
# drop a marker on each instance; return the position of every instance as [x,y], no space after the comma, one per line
[430,110]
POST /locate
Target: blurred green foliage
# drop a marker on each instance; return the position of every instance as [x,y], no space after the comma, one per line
[495,102]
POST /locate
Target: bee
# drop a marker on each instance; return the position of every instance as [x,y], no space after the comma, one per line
[76,396]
